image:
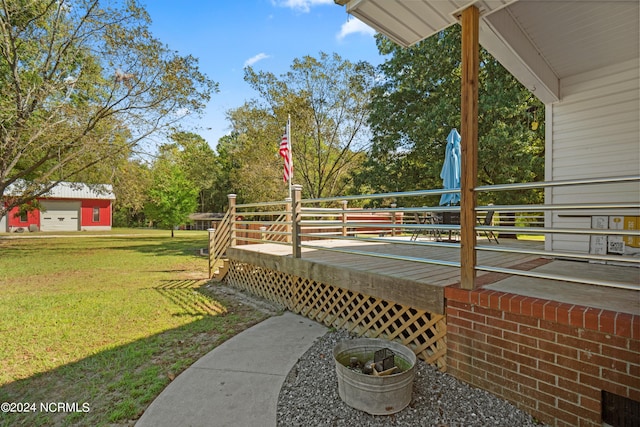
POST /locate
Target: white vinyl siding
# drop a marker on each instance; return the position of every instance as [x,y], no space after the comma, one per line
[595,133]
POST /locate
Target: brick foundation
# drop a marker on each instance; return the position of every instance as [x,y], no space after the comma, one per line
[551,359]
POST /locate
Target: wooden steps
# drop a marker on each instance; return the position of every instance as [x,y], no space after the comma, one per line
[220,270]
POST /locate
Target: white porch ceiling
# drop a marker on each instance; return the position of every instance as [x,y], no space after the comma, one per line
[539,41]
[408,21]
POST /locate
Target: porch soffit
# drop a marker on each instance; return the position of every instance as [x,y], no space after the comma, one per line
[539,41]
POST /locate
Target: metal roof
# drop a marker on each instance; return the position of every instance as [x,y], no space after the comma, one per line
[78,190]
[69,190]
[206,216]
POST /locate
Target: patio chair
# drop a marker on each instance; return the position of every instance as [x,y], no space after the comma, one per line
[428,218]
[487,221]
[416,232]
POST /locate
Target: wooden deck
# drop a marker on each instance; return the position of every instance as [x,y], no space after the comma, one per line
[421,285]
[413,283]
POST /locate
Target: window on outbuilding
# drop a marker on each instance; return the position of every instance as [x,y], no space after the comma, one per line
[96,214]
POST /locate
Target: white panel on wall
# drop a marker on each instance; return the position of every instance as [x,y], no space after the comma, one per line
[595,133]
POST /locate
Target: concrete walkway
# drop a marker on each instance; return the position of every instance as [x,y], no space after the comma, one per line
[238,382]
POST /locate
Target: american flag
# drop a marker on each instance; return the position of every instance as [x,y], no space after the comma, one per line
[285,153]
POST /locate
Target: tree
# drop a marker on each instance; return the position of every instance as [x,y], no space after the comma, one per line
[66,105]
[249,156]
[130,183]
[172,196]
[327,98]
[225,166]
[198,160]
[416,105]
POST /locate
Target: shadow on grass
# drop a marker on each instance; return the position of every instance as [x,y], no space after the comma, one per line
[156,245]
[114,386]
[169,246]
[186,294]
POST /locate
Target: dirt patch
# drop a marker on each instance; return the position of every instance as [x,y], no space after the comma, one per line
[237,298]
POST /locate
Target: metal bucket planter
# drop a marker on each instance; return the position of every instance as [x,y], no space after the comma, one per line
[376,395]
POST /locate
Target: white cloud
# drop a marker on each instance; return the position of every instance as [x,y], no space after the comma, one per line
[181,112]
[256,58]
[300,5]
[354,26]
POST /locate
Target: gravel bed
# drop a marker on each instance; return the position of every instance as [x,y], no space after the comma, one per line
[309,397]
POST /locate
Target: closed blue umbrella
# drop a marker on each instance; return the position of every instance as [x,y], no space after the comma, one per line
[451,170]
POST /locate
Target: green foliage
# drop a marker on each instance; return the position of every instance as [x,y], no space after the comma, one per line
[416,105]
[327,98]
[199,162]
[172,197]
[226,165]
[249,156]
[130,185]
[82,83]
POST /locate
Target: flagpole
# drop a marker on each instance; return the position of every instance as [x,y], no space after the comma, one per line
[290,152]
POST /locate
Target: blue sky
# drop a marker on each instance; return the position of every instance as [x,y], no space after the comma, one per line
[227,35]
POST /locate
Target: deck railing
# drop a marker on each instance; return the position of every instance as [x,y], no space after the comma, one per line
[300,223]
[219,241]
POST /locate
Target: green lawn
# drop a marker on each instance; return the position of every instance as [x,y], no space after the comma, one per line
[104,322]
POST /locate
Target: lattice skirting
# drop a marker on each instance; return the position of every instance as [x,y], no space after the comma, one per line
[364,315]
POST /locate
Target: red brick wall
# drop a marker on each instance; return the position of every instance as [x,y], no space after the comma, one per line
[551,359]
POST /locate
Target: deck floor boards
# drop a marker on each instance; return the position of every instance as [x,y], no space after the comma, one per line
[325,252]
[320,252]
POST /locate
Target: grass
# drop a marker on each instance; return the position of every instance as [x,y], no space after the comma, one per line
[531,237]
[105,322]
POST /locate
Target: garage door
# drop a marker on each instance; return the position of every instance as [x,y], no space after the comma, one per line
[60,216]
[3,224]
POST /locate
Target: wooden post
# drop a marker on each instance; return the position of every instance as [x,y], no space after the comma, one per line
[212,239]
[296,197]
[469,134]
[393,219]
[232,219]
[344,217]
[287,218]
